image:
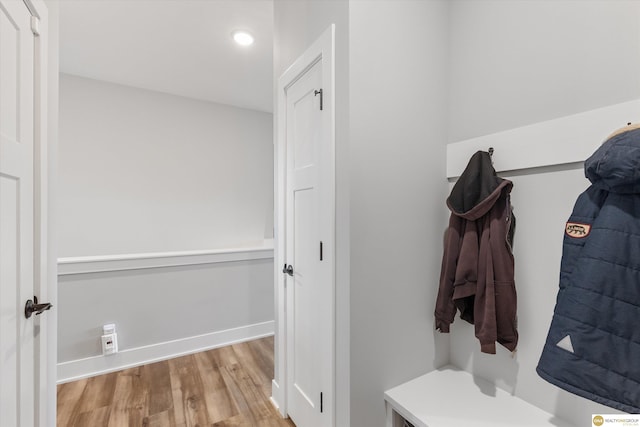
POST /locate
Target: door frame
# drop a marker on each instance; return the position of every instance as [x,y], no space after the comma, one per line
[323,49]
[45,262]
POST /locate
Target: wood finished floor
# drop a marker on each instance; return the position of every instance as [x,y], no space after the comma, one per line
[224,387]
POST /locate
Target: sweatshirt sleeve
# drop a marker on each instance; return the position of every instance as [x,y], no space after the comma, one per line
[445,309]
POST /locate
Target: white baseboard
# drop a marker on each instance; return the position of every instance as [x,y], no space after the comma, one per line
[275,398]
[98,365]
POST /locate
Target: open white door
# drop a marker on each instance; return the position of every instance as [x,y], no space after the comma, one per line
[23,383]
[307,234]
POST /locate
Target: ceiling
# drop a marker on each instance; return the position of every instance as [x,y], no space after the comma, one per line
[181,47]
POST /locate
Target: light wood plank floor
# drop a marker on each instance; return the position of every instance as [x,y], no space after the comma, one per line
[224,387]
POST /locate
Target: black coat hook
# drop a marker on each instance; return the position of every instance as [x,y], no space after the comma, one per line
[490,151]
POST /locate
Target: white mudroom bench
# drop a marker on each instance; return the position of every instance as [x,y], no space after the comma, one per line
[449,397]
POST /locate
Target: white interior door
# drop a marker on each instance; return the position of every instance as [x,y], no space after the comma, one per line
[309,250]
[17,247]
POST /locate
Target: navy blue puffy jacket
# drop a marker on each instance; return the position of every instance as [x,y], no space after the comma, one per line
[593,345]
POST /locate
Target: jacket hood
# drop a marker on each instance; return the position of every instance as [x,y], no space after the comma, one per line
[615,166]
[477,189]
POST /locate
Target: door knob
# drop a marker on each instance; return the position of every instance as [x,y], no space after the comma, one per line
[33,307]
[288,269]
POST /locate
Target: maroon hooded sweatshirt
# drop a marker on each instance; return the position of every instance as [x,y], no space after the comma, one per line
[477,276]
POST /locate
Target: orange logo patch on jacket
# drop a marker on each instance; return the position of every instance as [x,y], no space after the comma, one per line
[577,230]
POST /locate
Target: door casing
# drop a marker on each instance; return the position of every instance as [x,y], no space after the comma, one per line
[323,49]
[45,145]
[44,259]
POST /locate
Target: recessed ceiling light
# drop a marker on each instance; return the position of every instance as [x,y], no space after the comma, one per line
[243,38]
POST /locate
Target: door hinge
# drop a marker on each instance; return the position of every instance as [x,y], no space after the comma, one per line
[316,93]
[321,403]
[320,251]
[35,25]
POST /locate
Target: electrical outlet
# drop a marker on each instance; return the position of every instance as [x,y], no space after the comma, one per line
[109,339]
[109,344]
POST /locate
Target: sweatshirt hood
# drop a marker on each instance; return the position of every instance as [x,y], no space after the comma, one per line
[615,166]
[477,189]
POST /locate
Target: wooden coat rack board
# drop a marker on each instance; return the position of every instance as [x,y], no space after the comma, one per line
[565,140]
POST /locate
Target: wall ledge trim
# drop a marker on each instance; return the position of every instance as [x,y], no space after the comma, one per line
[97,365]
[122,262]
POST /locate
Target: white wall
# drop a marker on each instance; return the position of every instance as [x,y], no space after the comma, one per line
[194,305]
[142,171]
[398,83]
[389,160]
[156,305]
[516,63]
[519,62]
[467,68]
